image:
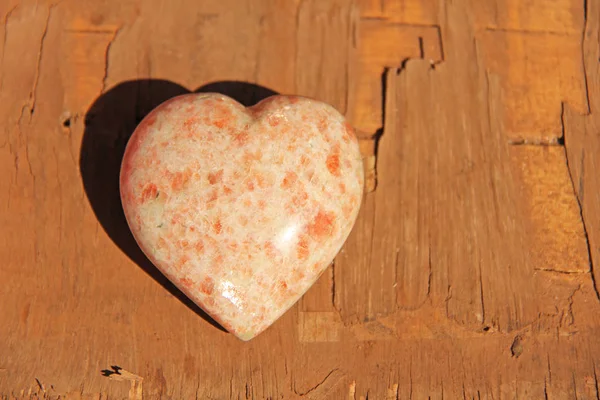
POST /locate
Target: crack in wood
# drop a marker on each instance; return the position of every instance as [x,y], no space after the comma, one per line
[580,205]
[560,272]
[107,58]
[5,41]
[525,31]
[596,384]
[481,298]
[322,388]
[33,94]
[583,63]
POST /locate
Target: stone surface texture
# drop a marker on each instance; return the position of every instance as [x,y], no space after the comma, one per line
[242,208]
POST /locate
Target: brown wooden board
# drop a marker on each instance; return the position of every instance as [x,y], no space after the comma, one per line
[472,271]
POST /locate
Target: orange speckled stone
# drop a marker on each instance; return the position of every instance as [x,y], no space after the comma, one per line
[242,208]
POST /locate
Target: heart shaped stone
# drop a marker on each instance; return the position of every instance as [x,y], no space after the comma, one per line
[242,208]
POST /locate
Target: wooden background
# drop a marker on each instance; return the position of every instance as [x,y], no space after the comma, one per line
[471,272]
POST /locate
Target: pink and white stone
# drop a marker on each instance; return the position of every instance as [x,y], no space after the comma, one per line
[242,208]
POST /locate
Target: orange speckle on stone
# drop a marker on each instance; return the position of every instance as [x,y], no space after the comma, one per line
[322,225]
[221,123]
[250,157]
[207,286]
[187,282]
[333,163]
[273,120]
[241,139]
[182,261]
[301,199]
[149,192]
[262,204]
[213,195]
[349,134]
[221,115]
[304,161]
[217,227]
[161,243]
[243,220]
[342,188]
[270,250]
[302,247]
[182,244]
[298,275]
[245,271]
[208,103]
[289,179]
[215,177]
[189,123]
[180,179]
[227,190]
[258,320]
[322,124]
[261,180]
[199,246]
[210,302]
[149,121]
[261,282]
[347,210]
[293,99]
[250,185]
[175,219]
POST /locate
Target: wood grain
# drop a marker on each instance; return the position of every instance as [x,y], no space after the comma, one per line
[472,269]
[582,142]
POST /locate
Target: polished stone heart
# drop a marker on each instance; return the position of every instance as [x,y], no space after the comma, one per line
[242,208]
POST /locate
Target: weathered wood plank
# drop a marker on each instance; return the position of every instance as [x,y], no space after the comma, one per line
[466,274]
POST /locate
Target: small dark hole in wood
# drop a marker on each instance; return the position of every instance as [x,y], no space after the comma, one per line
[115,369]
[486,328]
[67,122]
